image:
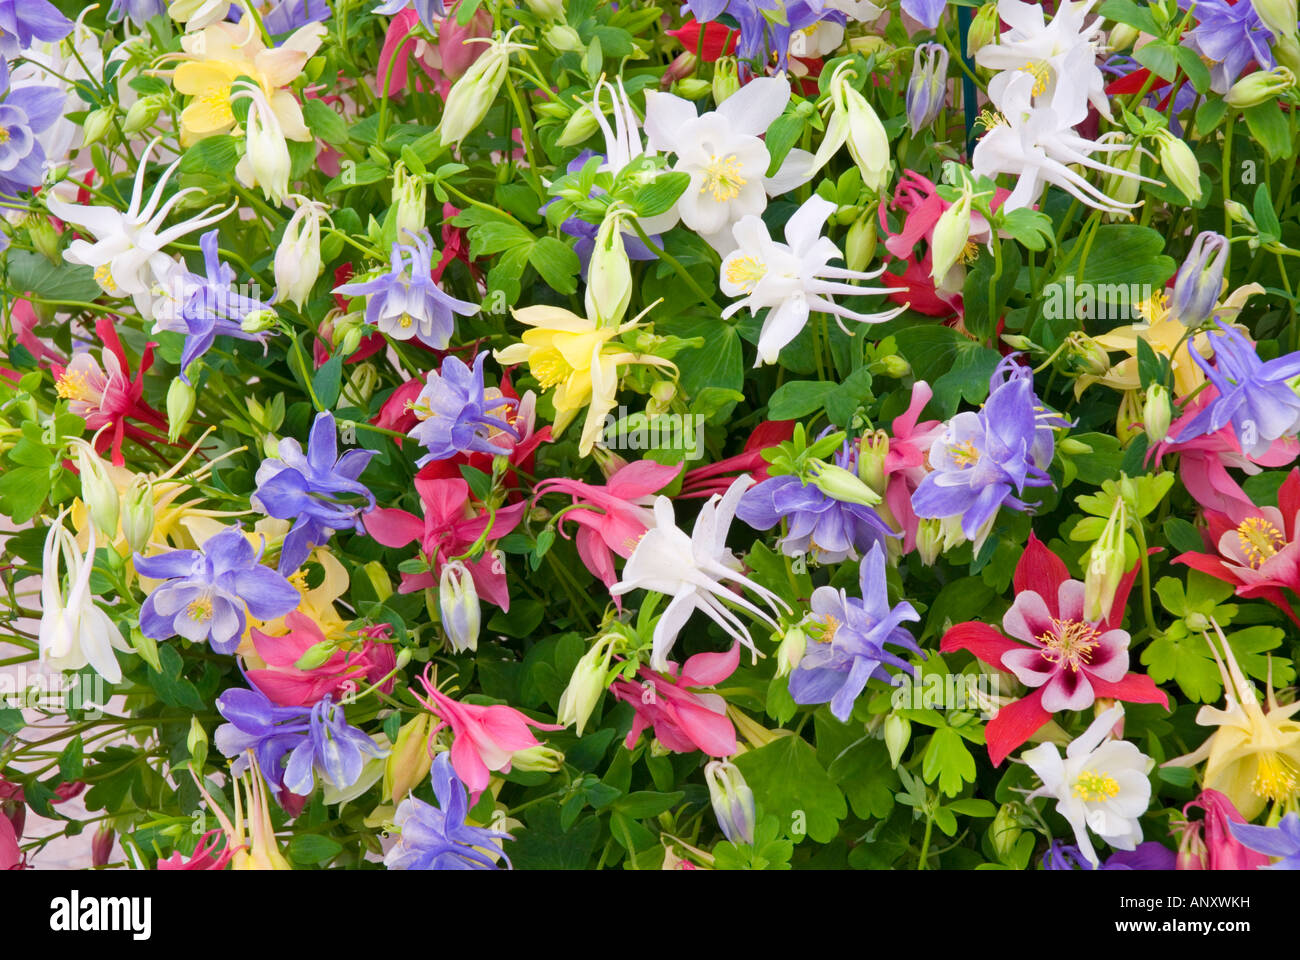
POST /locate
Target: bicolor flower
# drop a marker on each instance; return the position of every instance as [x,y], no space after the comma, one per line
[25,113]
[127,252]
[438,838]
[207,594]
[792,280]
[343,666]
[309,488]
[684,719]
[1215,833]
[906,463]
[694,570]
[848,637]
[1099,785]
[927,88]
[74,631]
[1067,660]
[455,415]
[406,303]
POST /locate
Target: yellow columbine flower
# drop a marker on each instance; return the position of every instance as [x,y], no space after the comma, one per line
[1163,334]
[219,54]
[576,357]
[1254,755]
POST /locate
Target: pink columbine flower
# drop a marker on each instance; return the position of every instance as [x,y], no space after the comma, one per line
[1222,850]
[212,853]
[906,463]
[683,719]
[484,738]
[287,685]
[611,518]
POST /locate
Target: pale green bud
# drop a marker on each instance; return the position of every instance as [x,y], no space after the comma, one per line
[259,320]
[898,733]
[866,138]
[1105,566]
[1123,36]
[1156,413]
[565,39]
[586,685]
[138,513]
[316,655]
[726,79]
[409,195]
[873,449]
[860,245]
[473,94]
[458,607]
[1006,830]
[142,113]
[1260,87]
[579,127]
[1179,165]
[951,232]
[196,741]
[791,650]
[984,29]
[609,278]
[839,484]
[929,540]
[360,386]
[546,9]
[180,407]
[692,88]
[44,238]
[97,123]
[98,491]
[1278,15]
[540,759]
[732,799]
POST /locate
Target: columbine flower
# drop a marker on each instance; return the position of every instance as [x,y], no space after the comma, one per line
[732,799]
[580,359]
[1214,834]
[286,16]
[339,665]
[1037,144]
[22,22]
[1200,279]
[25,113]
[792,280]
[458,607]
[454,413]
[1098,786]
[1068,660]
[1282,841]
[208,593]
[722,153]
[768,26]
[982,457]
[693,570]
[127,245]
[297,258]
[1253,396]
[265,163]
[139,12]
[1230,36]
[405,303]
[307,487]
[426,10]
[847,640]
[683,720]
[203,307]
[74,631]
[927,88]
[1254,755]
[438,838]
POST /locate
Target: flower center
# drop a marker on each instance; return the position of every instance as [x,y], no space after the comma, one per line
[104,277]
[1275,777]
[1070,642]
[1155,308]
[4,134]
[989,119]
[965,455]
[549,367]
[405,321]
[1259,540]
[1094,786]
[200,608]
[744,272]
[217,99]
[73,386]
[1042,74]
[722,178]
[824,628]
[970,253]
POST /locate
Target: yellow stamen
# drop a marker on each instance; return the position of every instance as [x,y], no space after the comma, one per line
[549,367]
[744,272]
[988,119]
[1042,74]
[965,454]
[4,135]
[1155,308]
[970,253]
[200,609]
[1259,540]
[722,178]
[217,99]
[1094,787]
[1070,642]
[104,277]
[405,321]
[73,386]
[1275,777]
[825,630]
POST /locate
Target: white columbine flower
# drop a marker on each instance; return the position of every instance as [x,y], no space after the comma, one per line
[722,153]
[1038,144]
[1060,56]
[297,258]
[127,252]
[692,570]
[74,632]
[266,162]
[792,279]
[1098,786]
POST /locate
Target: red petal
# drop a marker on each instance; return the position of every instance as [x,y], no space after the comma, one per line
[1288,501]
[1041,571]
[980,639]
[1014,724]
[1134,688]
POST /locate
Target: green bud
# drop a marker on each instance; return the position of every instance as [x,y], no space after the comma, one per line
[898,732]
[180,407]
[44,238]
[1123,36]
[1005,832]
[98,491]
[259,320]
[196,741]
[587,684]
[1105,566]
[791,650]
[1179,165]
[860,246]
[692,88]
[984,29]
[1260,87]
[840,484]
[873,449]
[1156,413]
[142,113]
[1074,448]
[565,39]
[97,123]
[138,513]
[540,759]
[316,655]
[726,79]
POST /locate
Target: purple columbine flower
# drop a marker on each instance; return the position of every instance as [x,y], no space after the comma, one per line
[1281,841]
[819,526]
[24,21]
[25,113]
[927,89]
[584,233]
[1230,36]
[455,415]
[1200,280]
[927,12]
[981,458]
[426,10]
[205,307]
[405,303]
[1253,395]
[1064,856]
[206,592]
[758,33]
[847,638]
[1148,855]
[138,12]
[286,16]
[307,488]
[317,741]
[438,838]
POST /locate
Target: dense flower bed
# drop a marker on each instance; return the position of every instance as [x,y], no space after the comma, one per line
[753,434]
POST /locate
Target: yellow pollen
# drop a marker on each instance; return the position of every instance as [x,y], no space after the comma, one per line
[970,253]
[200,609]
[1275,777]
[4,135]
[825,630]
[104,277]
[1070,642]
[549,367]
[1155,308]
[218,100]
[965,454]
[405,321]
[1094,787]
[73,386]
[722,178]
[1259,540]
[744,272]
[1042,74]
[989,119]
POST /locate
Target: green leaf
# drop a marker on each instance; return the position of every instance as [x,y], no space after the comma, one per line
[30,272]
[959,601]
[1183,536]
[1269,127]
[1209,115]
[214,155]
[1187,661]
[798,398]
[1160,57]
[546,845]
[947,759]
[327,381]
[782,135]
[313,849]
[72,760]
[646,803]
[863,772]
[786,776]
[1032,228]
[659,196]
[1265,216]
[1126,11]
[324,122]
[557,264]
[1196,71]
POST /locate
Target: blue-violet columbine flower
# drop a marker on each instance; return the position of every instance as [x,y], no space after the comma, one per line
[207,593]
[25,113]
[22,22]
[1282,841]
[456,416]
[438,838]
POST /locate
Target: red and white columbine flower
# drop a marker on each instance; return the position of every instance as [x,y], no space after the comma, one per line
[1067,660]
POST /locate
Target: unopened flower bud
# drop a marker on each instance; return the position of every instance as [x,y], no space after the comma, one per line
[180,407]
[581,125]
[929,540]
[138,513]
[898,733]
[316,655]
[609,278]
[564,38]
[44,238]
[683,66]
[257,321]
[1192,852]
[1200,279]
[1156,413]
[1105,566]
[692,88]
[1278,15]
[733,800]
[540,758]
[98,491]
[101,846]
[791,650]
[866,138]
[891,365]
[927,88]
[1074,448]
[1123,186]
[1122,36]
[586,685]
[951,232]
[360,386]
[298,257]
[458,607]
[409,195]
[873,450]
[983,30]
[1086,355]
[546,9]
[860,245]
[1260,87]
[409,761]
[1179,165]
[196,741]
[142,113]
[1006,830]
[97,123]
[726,79]
[1240,214]
[839,484]
[474,93]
